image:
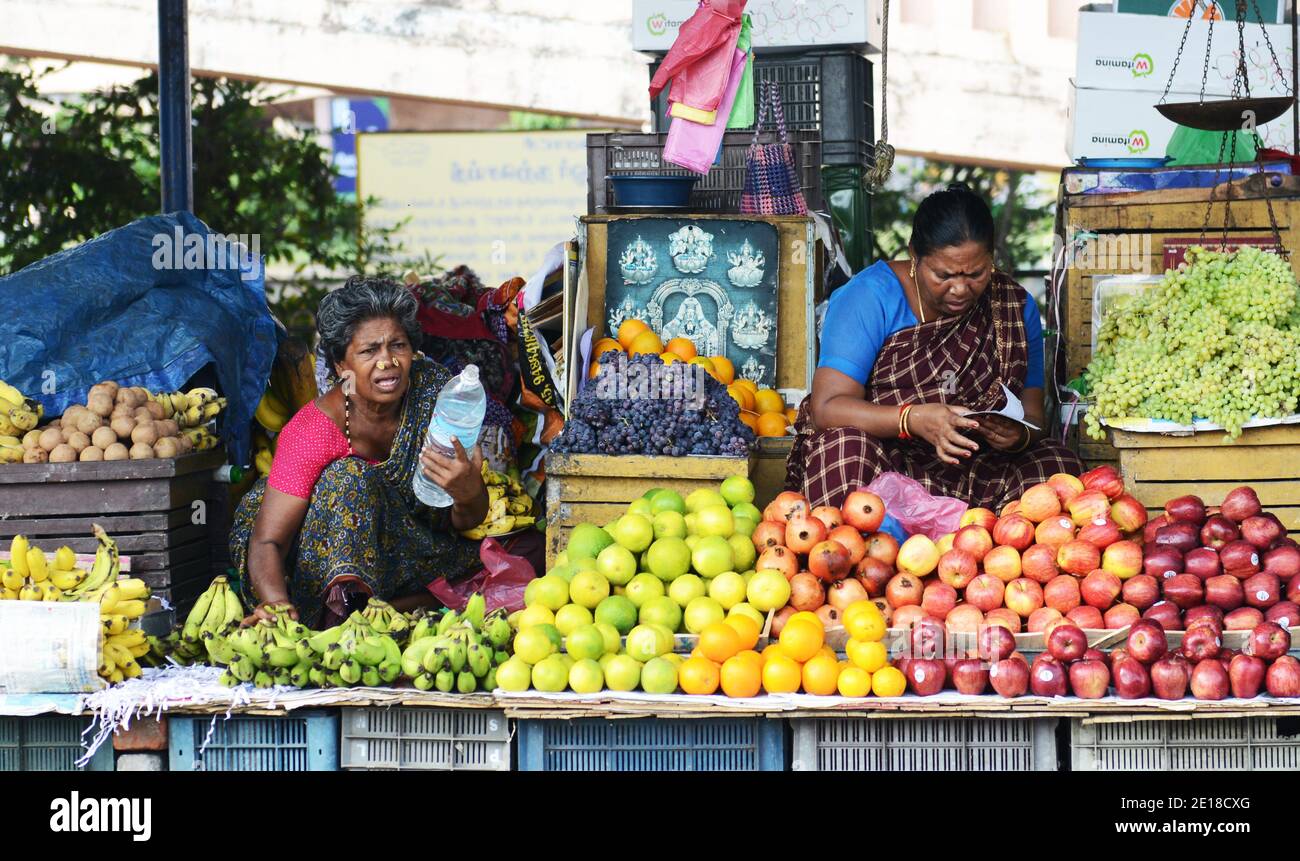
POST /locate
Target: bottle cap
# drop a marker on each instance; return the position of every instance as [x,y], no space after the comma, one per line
[470,373]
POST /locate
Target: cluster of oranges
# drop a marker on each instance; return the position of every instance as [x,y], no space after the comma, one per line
[763,410]
[800,659]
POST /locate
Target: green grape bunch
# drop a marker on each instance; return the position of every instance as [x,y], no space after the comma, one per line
[1217,339]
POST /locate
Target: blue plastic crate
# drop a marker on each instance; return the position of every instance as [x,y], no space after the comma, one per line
[652,744]
[300,741]
[48,743]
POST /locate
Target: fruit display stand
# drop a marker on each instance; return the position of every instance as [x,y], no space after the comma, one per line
[652,744]
[301,741]
[1208,464]
[418,738]
[1194,743]
[1125,234]
[47,742]
[155,509]
[924,744]
[596,488]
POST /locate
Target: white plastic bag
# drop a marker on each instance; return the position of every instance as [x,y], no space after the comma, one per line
[49,647]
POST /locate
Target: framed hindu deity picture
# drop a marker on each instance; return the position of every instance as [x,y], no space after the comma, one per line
[712,281]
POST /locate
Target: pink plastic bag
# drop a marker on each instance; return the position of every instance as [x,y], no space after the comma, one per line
[908,502]
[695,146]
[502,580]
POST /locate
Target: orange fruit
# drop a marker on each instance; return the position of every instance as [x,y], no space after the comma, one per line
[696,653]
[720,641]
[820,676]
[808,616]
[741,677]
[698,676]
[726,370]
[792,415]
[770,651]
[742,396]
[629,330]
[594,372]
[753,657]
[771,424]
[646,342]
[669,358]
[747,383]
[746,628]
[827,650]
[603,346]
[853,682]
[750,420]
[888,682]
[769,401]
[683,348]
[706,365]
[801,640]
[869,656]
[864,621]
[782,675]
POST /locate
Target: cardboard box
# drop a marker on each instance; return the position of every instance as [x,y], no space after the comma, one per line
[1125,124]
[1136,52]
[1271,10]
[777,23]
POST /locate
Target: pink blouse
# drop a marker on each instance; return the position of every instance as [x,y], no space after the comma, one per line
[308,443]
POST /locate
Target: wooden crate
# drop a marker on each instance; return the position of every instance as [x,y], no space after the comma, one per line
[769,466]
[1159,467]
[798,290]
[147,506]
[596,488]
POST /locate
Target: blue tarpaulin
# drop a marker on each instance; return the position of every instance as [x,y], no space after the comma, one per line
[148,304]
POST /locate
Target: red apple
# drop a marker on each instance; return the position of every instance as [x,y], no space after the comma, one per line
[1262,590]
[1089,506]
[969,676]
[884,547]
[1078,557]
[1246,676]
[1039,503]
[1293,589]
[926,676]
[958,568]
[1062,593]
[779,558]
[1067,486]
[1189,509]
[929,639]
[1203,562]
[1242,619]
[1054,532]
[1123,559]
[1261,531]
[785,506]
[1201,642]
[1224,592]
[842,593]
[1218,531]
[806,592]
[907,616]
[938,599]
[1003,563]
[1047,677]
[1095,654]
[1283,560]
[1179,535]
[1141,591]
[1132,681]
[1285,613]
[852,541]
[975,540]
[1240,504]
[1067,643]
[1205,614]
[1184,590]
[1038,563]
[1013,530]
[1121,616]
[829,561]
[1004,618]
[1129,514]
[979,517]
[994,643]
[985,592]
[1210,680]
[1283,678]
[873,575]
[1100,533]
[768,534]
[1023,596]
[803,532]
[1153,526]
[1240,559]
[1100,589]
[964,619]
[1088,618]
[1089,679]
[1146,641]
[1105,479]
[1039,620]
[1268,641]
[1162,562]
[1009,677]
[864,511]
[1169,678]
[1165,614]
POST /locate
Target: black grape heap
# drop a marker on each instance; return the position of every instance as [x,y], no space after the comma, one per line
[653,409]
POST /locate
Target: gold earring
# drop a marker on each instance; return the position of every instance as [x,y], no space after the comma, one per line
[913,272]
[396,363]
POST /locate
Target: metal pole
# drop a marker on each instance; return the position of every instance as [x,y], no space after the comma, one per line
[1295,101]
[174,106]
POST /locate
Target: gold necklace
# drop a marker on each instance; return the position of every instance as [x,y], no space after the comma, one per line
[920,306]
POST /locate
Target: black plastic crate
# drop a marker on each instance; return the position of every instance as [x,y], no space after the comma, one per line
[718,191]
[829,92]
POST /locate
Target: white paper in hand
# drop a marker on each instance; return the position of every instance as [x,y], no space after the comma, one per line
[1014,410]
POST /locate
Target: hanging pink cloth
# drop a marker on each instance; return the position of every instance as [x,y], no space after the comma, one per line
[699,62]
[695,146]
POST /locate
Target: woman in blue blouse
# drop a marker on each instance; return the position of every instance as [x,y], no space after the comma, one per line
[909,347]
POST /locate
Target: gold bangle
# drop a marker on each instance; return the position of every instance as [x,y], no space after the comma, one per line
[1029,439]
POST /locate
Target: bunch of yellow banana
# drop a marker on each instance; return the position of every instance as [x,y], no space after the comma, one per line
[263,443]
[291,387]
[18,414]
[190,409]
[203,438]
[509,508]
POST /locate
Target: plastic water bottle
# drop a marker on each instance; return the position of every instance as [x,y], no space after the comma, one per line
[462,403]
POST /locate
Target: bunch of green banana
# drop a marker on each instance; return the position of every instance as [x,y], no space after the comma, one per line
[386,620]
[217,610]
[457,651]
[265,653]
[18,414]
[509,507]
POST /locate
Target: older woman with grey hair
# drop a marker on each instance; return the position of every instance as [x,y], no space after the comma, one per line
[337,520]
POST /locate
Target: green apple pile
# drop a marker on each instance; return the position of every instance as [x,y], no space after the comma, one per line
[605,615]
